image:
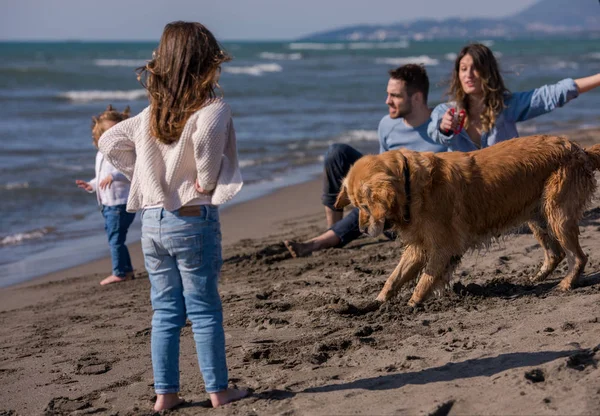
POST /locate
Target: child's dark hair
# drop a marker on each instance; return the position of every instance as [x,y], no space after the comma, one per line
[414,76]
[110,114]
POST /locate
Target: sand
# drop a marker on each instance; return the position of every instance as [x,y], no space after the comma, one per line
[493,344]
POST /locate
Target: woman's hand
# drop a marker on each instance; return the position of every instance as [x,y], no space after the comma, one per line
[84,185]
[106,182]
[448,123]
[201,190]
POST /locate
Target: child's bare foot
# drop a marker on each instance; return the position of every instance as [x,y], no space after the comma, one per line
[167,401]
[227,396]
[116,279]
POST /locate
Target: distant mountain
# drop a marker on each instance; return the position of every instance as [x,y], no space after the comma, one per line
[544,18]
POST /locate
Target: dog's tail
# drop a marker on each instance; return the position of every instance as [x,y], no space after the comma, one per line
[594,154]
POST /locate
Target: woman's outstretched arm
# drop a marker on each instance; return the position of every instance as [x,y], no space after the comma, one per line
[588,83]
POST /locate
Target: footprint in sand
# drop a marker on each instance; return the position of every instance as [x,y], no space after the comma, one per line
[92,365]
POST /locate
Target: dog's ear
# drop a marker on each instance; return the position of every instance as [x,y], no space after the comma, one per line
[342,198]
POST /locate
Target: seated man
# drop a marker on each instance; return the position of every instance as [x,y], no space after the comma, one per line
[405,126]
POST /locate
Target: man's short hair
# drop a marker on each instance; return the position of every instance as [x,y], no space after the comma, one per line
[415,78]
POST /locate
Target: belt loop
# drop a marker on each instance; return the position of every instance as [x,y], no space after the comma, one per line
[206,212]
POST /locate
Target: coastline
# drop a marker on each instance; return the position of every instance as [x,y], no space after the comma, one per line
[249,219]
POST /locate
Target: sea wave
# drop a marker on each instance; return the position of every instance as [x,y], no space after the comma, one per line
[255,70]
[360,135]
[563,65]
[281,56]
[593,55]
[120,62]
[99,95]
[379,45]
[18,238]
[451,56]
[422,59]
[14,185]
[317,46]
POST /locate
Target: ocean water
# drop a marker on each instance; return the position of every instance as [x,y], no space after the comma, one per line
[290,100]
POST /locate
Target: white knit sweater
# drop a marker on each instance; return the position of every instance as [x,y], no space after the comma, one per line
[165,174]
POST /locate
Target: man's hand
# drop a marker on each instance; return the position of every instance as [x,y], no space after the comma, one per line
[106,182]
[201,190]
[84,185]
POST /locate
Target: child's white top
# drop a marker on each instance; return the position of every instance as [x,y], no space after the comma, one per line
[118,191]
[165,174]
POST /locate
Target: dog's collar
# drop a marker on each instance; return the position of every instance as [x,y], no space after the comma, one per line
[406,214]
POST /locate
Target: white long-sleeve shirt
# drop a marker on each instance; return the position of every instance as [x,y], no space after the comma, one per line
[165,174]
[118,192]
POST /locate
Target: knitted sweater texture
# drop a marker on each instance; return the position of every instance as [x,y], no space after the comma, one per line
[165,174]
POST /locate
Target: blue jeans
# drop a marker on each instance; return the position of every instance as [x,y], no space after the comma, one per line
[338,161]
[116,223]
[183,259]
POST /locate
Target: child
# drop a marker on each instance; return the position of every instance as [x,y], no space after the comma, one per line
[184,152]
[112,190]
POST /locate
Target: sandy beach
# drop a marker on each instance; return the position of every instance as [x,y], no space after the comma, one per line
[494,344]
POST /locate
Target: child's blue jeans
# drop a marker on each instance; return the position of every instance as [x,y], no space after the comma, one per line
[183,258]
[116,223]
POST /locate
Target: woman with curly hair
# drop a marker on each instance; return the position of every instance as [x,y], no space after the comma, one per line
[181,156]
[491,111]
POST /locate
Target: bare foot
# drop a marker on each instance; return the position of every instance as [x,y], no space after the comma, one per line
[116,279]
[227,396]
[297,249]
[167,401]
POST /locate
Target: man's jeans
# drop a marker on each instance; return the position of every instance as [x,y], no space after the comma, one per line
[116,223]
[338,161]
[183,259]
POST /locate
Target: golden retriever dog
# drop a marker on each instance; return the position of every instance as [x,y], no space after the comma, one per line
[443,204]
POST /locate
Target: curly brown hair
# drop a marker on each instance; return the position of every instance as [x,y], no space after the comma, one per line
[180,78]
[110,114]
[492,84]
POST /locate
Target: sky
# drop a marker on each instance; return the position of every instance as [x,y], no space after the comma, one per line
[227,19]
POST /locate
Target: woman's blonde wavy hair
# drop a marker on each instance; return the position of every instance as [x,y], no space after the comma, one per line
[181,77]
[494,91]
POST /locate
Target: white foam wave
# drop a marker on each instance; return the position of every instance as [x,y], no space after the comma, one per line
[246,163]
[255,70]
[488,43]
[120,62]
[18,238]
[351,136]
[361,135]
[281,56]
[564,65]
[451,56]
[98,95]
[422,59]
[379,45]
[15,185]
[593,55]
[317,46]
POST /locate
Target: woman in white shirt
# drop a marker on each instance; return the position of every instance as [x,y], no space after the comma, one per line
[181,156]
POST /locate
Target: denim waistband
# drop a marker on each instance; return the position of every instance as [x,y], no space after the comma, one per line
[204,212]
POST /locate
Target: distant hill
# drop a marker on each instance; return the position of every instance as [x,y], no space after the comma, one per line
[544,18]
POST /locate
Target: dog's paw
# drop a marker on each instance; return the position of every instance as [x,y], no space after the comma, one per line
[565,286]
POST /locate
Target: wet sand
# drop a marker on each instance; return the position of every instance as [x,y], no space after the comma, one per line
[493,344]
